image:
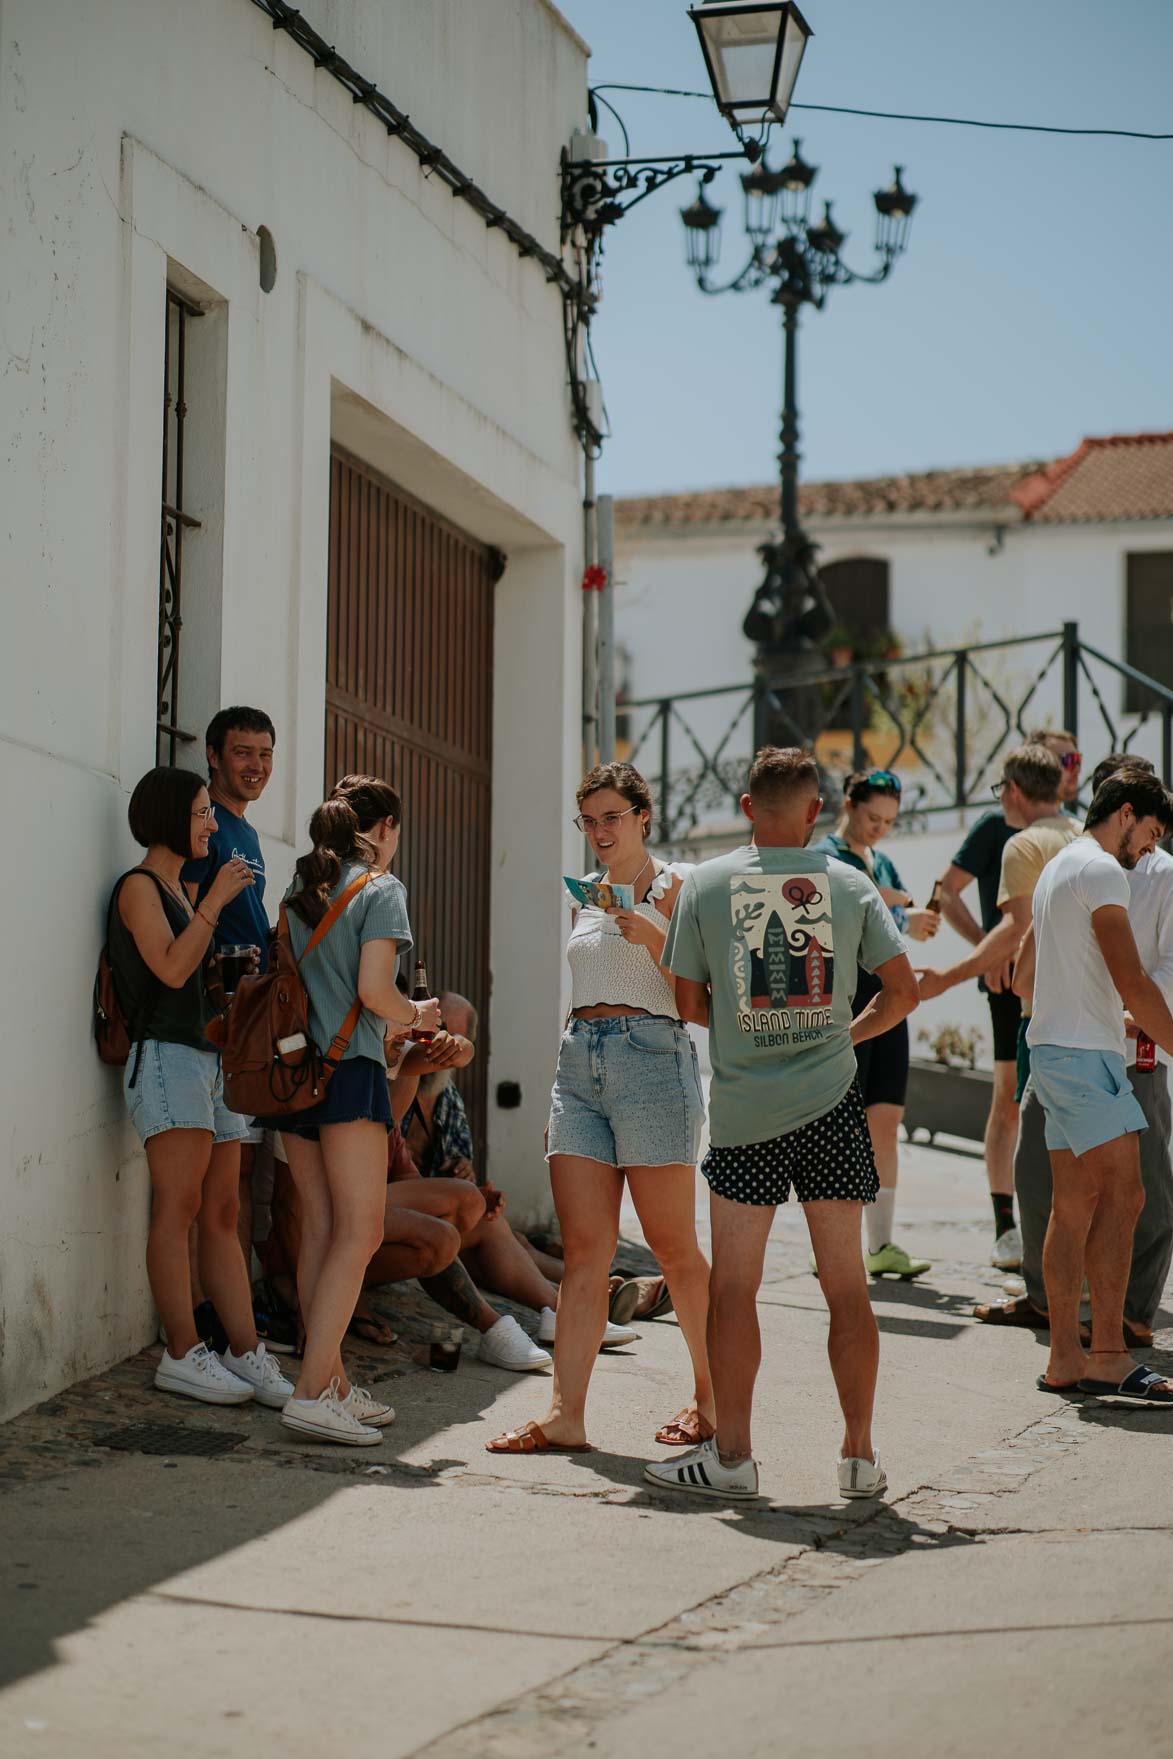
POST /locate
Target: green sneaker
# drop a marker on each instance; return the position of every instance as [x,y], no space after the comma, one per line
[894,1261]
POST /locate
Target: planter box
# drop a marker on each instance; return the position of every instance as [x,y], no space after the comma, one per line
[956,1101]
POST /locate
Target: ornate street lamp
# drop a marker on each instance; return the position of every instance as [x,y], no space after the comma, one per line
[791,614]
[753,52]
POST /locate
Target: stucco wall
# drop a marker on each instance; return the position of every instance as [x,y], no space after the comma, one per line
[145,143]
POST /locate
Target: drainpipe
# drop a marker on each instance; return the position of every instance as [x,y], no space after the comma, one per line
[606,595]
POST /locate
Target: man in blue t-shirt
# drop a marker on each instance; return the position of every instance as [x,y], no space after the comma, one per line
[239,743]
[764,945]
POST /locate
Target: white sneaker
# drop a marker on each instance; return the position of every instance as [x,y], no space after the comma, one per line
[1007,1253]
[505,1345]
[368,1409]
[699,1472]
[614,1336]
[262,1373]
[326,1418]
[200,1375]
[861,1477]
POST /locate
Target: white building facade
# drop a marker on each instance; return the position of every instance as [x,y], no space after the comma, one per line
[373,392]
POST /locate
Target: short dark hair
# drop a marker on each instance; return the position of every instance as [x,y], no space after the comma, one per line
[160,809]
[236,720]
[1036,772]
[780,771]
[621,778]
[1145,793]
[1118,760]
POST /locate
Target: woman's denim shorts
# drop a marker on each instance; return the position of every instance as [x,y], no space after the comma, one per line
[627,1093]
[179,1088]
[358,1091]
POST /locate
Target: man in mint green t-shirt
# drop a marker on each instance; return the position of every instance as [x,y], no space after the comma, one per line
[764,945]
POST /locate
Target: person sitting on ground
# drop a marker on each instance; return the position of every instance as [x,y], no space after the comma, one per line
[436,1130]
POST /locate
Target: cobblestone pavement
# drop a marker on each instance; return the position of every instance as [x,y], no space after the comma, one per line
[1012,1591]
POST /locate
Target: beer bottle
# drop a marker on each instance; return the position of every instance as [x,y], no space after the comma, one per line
[421,993]
[934,903]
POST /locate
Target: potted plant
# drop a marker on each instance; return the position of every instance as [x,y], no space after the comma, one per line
[840,646]
[946,1090]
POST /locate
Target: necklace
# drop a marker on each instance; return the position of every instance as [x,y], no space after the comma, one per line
[635,882]
[168,887]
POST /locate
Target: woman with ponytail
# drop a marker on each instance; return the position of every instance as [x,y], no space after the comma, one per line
[337,1150]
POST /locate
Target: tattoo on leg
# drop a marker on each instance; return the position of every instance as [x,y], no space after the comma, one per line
[454,1290]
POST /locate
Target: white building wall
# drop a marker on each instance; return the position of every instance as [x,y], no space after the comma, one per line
[146,143]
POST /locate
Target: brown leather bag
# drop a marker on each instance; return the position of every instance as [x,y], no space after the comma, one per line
[271,1065]
[114,1033]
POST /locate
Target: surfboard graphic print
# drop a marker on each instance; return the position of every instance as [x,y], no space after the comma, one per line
[782,955]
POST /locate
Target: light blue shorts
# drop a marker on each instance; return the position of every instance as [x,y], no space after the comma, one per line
[1086,1097]
[179,1088]
[627,1093]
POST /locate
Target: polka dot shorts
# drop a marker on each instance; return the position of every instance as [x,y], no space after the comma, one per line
[831,1157]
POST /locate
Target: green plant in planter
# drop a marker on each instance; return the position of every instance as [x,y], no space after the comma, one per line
[956,1047]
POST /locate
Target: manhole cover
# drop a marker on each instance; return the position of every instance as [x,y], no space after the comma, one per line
[169,1438]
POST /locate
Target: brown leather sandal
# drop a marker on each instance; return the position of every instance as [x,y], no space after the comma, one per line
[686,1430]
[1018,1312]
[531,1438]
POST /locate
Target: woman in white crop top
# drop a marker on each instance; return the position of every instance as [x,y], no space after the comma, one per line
[626,1105]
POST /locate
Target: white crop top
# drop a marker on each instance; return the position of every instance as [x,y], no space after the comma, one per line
[605,968]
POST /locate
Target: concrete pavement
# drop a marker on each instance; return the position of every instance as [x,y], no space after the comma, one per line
[1013,1593]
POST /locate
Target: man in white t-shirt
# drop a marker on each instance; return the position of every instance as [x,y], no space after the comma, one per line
[1087,971]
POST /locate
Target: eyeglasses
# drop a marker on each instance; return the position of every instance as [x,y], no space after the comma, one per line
[1071,760]
[886,780]
[610,821]
[204,812]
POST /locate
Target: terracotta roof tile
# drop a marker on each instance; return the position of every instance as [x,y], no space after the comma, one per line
[1125,476]
[1129,476]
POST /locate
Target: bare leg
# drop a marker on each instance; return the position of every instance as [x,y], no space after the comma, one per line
[178,1161]
[496,1260]
[1119,1201]
[355,1159]
[1002,1130]
[312,1213]
[587,1195]
[883,1127]
[222,1269]
[551,1268]
[740,1231]
[665,1201]
[853,1341]
[1073,1205]
[244,1226]
[193,1265]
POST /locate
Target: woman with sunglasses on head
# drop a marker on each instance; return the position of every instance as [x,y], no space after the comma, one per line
[626,1105]
[159,942]
[871,803]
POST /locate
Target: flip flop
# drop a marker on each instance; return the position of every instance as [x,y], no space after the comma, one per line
[1144,1386]
[1066,1389]
[1018,1312]
[372,1331]
[624,1301]
[531,1438]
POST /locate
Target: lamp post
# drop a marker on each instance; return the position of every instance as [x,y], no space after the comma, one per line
[801,261]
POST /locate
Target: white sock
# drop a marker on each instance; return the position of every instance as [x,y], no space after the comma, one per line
[878,1216]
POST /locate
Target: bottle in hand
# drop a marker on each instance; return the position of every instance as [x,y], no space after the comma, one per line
[421,993]
[1146,1053]
[934,903]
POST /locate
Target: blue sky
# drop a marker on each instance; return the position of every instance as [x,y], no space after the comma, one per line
[1032,308]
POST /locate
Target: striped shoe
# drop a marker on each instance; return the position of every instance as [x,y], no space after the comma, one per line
[699,1472]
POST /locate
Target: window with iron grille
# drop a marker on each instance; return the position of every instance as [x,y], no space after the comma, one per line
[175,524]
[1149,625]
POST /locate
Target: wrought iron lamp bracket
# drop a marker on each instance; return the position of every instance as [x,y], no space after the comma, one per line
[596,194]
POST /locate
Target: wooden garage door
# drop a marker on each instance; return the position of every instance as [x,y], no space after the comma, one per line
[409,682]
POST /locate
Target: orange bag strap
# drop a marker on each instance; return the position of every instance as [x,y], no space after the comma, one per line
[345,1032]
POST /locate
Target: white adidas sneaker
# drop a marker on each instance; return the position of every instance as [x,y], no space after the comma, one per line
[614,1336]
[505,1345]
[700,1472]
[262,1373]
[861,1477]
[201,1375]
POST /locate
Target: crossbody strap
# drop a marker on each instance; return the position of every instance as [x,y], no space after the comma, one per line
[345,1032]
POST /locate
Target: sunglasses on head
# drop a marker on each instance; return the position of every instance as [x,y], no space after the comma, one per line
[884,780]
[1071,760]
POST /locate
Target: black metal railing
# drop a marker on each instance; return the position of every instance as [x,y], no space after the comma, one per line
[944,718]
[174,523]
